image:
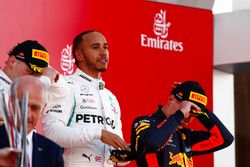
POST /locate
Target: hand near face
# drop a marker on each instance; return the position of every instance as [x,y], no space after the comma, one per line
[185,107]
[51,73]
[175,85]
[185,121]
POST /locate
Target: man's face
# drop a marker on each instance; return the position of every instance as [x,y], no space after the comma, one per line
[94,51]
[174,104]
[20,69]
[35,105]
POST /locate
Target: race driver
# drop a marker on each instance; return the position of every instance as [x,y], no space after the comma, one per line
[164,133]
[83,116]
[26,58]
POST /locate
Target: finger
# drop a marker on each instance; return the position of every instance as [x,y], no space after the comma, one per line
[117,143]
[121,145]
[128,147]
[195,107]
[116,147]
[177,83]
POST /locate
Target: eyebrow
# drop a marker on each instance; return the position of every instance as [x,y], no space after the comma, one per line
[94,44]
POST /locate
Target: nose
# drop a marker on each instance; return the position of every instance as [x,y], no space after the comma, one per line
[29,112]
[104,50]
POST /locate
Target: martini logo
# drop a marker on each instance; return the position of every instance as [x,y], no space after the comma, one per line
[161,29]
[67,60]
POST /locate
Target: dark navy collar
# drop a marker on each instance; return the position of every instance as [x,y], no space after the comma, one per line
[159,115]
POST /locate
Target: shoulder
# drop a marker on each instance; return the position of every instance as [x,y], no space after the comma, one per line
[142,120]
[2,130]
[72,80]
[2,127]
[43,140]
[109,93]
[69,78]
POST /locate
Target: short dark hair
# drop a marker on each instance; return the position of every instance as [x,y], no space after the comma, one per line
[77,41]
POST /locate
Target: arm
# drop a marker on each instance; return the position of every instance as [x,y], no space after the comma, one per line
[156,137]
[118,124]
[215,138]
[57,114]
[148,136]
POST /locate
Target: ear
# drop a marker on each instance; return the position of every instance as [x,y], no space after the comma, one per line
[11,62]
[78,55]
[171,97]
[42,110]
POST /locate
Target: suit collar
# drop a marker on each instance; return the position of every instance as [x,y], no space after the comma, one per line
[159,115]
[38,150]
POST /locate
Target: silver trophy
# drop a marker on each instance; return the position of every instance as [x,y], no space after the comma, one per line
[15,116]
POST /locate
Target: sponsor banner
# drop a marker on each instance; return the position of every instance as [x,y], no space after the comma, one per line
[161,28]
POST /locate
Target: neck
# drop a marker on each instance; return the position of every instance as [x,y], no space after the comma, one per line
[7,71]
[93,74]
[165,110]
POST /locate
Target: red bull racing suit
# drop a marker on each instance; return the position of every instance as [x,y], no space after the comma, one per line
[173,148]
[77,112]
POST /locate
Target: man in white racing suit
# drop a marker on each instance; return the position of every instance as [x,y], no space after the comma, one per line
[23,60]
[83,116]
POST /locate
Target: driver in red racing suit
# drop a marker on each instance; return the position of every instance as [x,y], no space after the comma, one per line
[163,132]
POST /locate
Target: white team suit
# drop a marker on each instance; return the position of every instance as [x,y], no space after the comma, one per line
[77,111]
[5,83]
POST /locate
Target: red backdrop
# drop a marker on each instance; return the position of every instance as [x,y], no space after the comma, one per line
[151,46]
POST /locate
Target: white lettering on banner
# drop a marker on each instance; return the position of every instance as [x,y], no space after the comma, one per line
[161,30]
[67,61]
[161,43]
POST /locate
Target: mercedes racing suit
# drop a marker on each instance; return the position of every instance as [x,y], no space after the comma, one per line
[5,83]
[77,112]
[174,148]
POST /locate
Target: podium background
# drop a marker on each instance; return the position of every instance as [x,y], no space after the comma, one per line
[140,77]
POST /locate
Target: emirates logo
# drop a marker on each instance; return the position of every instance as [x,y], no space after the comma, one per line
[161,30]
[161,25]
[67,60]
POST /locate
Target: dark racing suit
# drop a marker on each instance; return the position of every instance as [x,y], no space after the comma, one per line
[174,148]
